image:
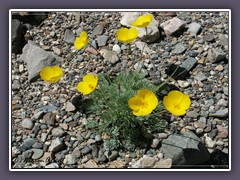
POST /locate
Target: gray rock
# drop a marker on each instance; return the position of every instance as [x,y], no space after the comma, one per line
[101,156]
[208,37]
[27,154]
[216,55]
[194,28]
[138,66]
[117,164]
[102,40]
[98,138]
[69,37]
[155,143]
[48,108]
[78,31]
[198,124]
[27,123]
[94,151]
[213,133]
[113,155]
[220,113]
[37,153]
[56,145]
[109,56]
[58,132]
[192,114]
[148,162]
[76,116]
[179,48]
[98,30]
[70,107]
[36,59]
[16,35]
[185,149]
[166,163]
[192,53]
[56,50]
[76,152]
[37,145]
[85,150]
[183,84]
[222,132]
[202,120]
[200,77]
[44,137]
[173,25]
[144,47]
[38,115]
[49,118]
[28,142]
[91,164]
[116,48]
[52,166]
[68,120]
[210,143]
[16,85]
[189,63]
[162,135]
[70,159]
[223,40]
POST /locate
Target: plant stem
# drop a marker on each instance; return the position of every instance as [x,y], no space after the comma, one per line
[161,85]
[142,52]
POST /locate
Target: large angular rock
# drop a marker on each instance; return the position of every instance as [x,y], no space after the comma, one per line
[194,28]
[36,59]
[185,149]
[16,35]
[216,55]
[173,25]
[109,56]
[69,37]
[152,33]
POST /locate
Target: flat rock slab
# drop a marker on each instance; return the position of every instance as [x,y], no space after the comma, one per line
[173,25]
[185,149]
[36,59]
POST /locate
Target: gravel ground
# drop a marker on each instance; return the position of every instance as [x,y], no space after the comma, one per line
[48,130]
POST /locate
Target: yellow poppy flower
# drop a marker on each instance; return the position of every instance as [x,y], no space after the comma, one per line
[51,74]
[143,103]
[143,21]
[126,35]
[176,102]
[81,41]
[88,84]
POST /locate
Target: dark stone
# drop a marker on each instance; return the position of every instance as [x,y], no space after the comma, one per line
[85,150]
[192,53]
[50,118]
[213,133]
[181,72]
[185,149]
[16,33]
[208,37]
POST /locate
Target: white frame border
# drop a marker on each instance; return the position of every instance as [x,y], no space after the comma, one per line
[118,10]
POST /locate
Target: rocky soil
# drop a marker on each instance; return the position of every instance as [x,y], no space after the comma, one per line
[48,127]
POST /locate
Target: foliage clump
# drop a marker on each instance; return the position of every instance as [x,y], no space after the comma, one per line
[110,103]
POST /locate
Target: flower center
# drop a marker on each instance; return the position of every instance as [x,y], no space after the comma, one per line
[144,103]
[91,86]
[176,106]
